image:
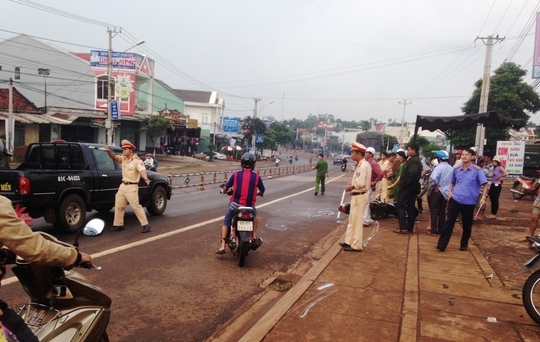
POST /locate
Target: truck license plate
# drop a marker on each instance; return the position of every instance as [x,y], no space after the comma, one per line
[244,226]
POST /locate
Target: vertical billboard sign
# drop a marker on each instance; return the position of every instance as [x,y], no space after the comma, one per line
[512,154]
[536,62]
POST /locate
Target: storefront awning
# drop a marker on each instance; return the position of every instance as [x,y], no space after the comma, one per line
[51,118]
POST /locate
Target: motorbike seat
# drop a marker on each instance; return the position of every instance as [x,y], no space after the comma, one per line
[527,178]
[244,209]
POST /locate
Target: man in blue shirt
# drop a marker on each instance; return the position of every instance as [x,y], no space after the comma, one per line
[466,182]
[441,178]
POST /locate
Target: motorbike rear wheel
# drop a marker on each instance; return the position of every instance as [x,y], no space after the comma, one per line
[519,188]
[531,296]
[241,252]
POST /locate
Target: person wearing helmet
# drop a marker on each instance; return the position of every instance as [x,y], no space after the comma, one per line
[246,185]
[438,193]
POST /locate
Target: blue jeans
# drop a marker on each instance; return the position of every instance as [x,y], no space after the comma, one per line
[406,208]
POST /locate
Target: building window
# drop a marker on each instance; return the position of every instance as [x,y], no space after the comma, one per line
[102,87]
[204,119]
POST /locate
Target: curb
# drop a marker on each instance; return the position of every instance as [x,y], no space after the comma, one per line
[272,317]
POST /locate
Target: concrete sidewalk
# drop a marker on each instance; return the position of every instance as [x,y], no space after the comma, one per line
[400,288]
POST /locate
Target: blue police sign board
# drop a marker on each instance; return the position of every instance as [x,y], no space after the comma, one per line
[115,114]
[259,139]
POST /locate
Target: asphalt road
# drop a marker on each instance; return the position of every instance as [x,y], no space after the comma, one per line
[169,285]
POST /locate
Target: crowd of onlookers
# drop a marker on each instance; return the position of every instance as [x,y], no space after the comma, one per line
[452,185]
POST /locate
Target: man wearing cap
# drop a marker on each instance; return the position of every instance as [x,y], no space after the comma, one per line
[128,192]
[358,187]
[376,176]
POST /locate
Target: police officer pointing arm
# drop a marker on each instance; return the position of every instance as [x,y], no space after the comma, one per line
[132,170]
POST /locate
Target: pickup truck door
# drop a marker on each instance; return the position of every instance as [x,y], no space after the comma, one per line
[107,180]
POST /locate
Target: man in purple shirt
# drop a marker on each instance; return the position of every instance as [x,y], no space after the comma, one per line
[465,185]
[376,176]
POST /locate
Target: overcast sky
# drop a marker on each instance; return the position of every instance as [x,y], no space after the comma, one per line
[354,59]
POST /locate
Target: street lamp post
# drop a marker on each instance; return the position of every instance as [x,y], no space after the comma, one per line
[109,123]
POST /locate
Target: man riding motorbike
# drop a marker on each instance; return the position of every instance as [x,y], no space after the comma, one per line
[17,237]
[246,185]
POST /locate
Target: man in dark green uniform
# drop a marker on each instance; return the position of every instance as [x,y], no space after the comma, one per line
[322,173]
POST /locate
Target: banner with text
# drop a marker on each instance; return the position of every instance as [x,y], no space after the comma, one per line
[512,154]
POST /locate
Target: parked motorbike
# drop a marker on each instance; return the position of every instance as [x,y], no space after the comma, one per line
[63,305]
[240,234]
[526,186]
[531,289]
[379,209]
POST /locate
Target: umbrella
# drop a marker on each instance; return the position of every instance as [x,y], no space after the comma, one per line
[227,148]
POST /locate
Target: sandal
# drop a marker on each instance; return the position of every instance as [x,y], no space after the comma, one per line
[399,231]
[523,239]
[220,251]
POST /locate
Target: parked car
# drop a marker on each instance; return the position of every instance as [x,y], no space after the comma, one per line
[531,164]
[220,156]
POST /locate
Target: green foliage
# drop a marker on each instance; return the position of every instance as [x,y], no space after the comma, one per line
[427,150]
[366,125]
[156,126]
[280,134]
[509,95]
[389,141]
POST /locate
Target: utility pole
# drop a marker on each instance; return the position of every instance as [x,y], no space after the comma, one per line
[489,41]
[404,103]
[45,73]
[257,100]
[109,125]
[10,124]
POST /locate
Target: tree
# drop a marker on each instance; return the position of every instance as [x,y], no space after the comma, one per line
[509,95]
[253,126]
[365,124]
[429,150]
[155,126]
[280,133]
[389,141]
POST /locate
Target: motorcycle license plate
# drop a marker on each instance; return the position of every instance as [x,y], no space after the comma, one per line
[244,226]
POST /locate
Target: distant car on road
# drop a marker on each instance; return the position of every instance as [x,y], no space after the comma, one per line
[339,159]
[220,156]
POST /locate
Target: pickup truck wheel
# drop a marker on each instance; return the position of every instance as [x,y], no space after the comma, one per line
[158,203]
[71,214]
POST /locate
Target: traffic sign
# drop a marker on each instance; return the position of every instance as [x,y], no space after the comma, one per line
[115,114]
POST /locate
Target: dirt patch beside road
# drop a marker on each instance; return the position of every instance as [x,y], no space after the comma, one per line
[498,239]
